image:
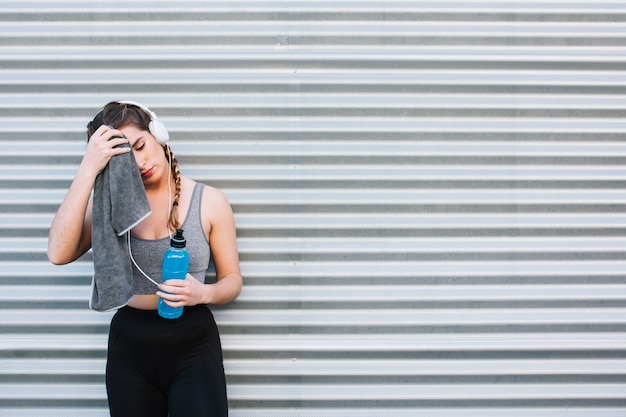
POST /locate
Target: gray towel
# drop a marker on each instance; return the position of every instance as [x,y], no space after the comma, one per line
[119,203]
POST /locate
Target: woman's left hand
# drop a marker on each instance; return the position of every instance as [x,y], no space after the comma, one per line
[182,292]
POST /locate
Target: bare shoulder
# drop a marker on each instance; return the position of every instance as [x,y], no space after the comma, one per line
[210,195]
[213,195]
[215,205]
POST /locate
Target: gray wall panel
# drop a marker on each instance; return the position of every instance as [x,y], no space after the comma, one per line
[429,198]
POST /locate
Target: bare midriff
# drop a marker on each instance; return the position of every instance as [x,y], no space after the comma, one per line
[144,301]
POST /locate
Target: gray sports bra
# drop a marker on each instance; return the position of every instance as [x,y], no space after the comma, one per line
[148,254]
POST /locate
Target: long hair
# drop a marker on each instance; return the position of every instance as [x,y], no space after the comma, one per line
[118,115]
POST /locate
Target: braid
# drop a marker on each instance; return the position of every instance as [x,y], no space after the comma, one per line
[173,222]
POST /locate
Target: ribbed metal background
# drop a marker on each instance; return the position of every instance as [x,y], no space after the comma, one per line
[429,196]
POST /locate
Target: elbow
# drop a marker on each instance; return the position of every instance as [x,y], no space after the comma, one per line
[228,289]
[238,286]
[61,253]
[235,290]
[56,257]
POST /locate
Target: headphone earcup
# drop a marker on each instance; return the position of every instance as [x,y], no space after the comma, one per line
[158,130]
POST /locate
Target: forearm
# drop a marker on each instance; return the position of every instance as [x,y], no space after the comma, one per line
[66,240]
[225,290]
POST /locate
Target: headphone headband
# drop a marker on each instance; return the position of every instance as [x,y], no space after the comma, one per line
[156,126]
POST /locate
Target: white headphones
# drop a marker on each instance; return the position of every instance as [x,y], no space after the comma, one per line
[156,126]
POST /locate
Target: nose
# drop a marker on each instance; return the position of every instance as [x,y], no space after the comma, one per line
[140,162]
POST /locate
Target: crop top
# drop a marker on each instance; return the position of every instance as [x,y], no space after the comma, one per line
[148,254]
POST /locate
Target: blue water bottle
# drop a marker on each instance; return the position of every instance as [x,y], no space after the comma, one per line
[175,266]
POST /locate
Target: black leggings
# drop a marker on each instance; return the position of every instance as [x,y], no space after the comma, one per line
[158,367]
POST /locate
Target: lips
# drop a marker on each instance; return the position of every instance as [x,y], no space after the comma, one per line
[147,173]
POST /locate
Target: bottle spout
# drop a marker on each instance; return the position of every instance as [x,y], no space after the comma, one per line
[178,241]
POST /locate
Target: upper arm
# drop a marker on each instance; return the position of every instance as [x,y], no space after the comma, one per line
[69,237]
[219,224]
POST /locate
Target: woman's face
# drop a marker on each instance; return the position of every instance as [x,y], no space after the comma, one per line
[148,154]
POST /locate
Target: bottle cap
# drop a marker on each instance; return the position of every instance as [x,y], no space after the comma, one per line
[178,240]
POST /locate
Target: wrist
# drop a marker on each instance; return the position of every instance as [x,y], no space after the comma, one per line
[86,172]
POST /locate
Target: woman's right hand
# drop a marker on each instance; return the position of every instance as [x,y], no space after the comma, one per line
[102,146]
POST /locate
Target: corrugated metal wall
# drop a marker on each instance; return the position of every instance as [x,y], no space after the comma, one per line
[430,197]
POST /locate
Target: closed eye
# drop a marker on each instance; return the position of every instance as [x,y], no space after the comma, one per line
[139,143]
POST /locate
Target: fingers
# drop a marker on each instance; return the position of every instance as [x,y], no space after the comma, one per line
[109,136]
[107,140]
[173,300]
[174,283]
[175,291]
[102,146]
[170,297]
[174,288]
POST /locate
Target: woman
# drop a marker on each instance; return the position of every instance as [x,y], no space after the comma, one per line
[155,366]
